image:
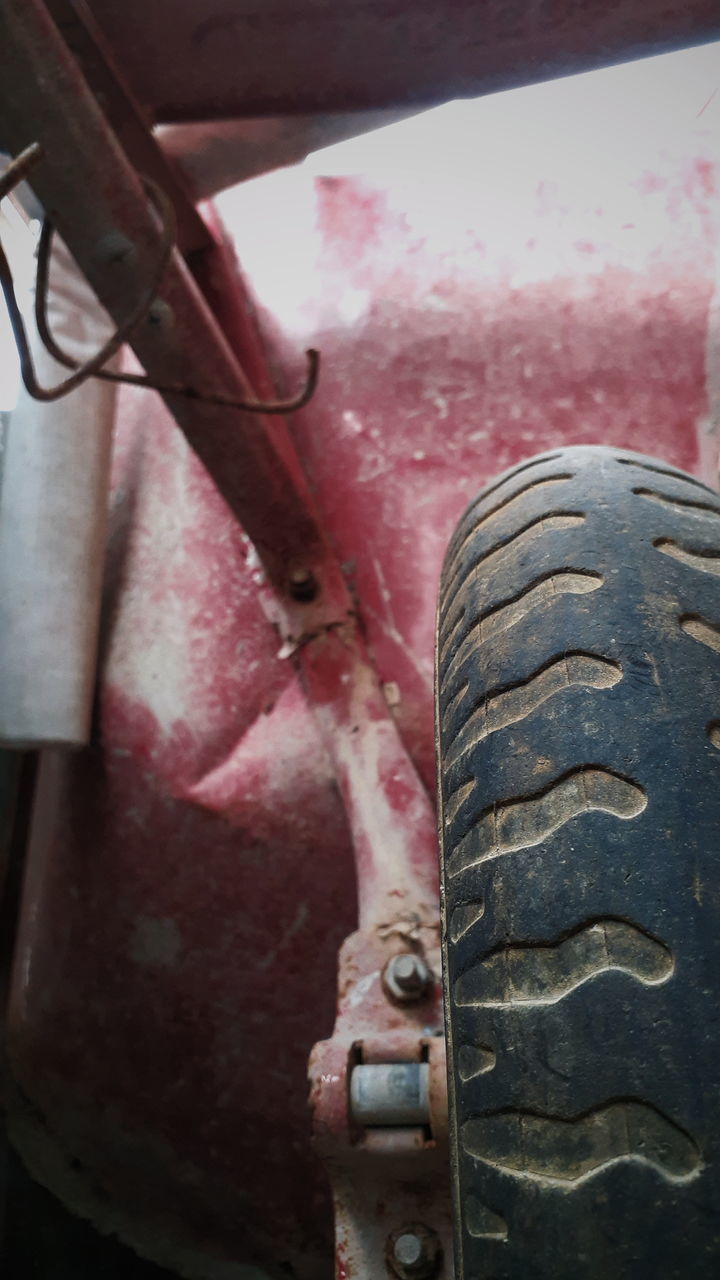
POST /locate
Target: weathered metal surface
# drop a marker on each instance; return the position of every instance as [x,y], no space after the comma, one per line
[92,195]
[380,1178]
[222,60]
[389,811]
[132,128]
[195,876]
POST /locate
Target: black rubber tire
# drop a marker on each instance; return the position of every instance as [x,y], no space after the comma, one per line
[578,692]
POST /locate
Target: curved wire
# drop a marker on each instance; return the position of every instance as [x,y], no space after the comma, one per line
[19,168]
[92,368]
[141,380]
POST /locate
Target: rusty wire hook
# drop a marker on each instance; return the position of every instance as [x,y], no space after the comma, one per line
[141,380]
[16,171]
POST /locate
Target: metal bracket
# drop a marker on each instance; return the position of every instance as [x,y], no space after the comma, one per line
[379,1100]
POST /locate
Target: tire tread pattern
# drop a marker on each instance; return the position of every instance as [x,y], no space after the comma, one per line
[578,726]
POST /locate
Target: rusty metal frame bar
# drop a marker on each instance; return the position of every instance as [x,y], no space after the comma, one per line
[88,44]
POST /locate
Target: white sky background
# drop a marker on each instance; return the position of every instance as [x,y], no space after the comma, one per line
[608,117]
[596,129]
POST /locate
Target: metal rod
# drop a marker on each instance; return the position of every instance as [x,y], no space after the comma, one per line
[390,1094]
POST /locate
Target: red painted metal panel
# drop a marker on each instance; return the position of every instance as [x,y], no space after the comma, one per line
[221,60]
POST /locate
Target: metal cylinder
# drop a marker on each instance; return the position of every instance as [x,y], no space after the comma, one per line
[394,1093]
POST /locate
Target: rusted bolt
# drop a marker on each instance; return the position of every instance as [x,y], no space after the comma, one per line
[303,585]
[160,314]
[408,1251]
[414,1252]
[115,249]
[407,977]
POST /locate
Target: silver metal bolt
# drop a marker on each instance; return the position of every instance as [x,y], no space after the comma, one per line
[115,249]
[303,585]
[407,976]
[408,1250]
[414,1252]
[160,314]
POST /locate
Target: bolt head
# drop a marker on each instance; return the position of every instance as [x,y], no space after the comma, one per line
[414,1252]
[408,1250]
[303,585]
[407,972]
[160,314]
[115,250]
[407,976]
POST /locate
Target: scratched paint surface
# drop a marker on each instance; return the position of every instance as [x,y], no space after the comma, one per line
[474,304]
